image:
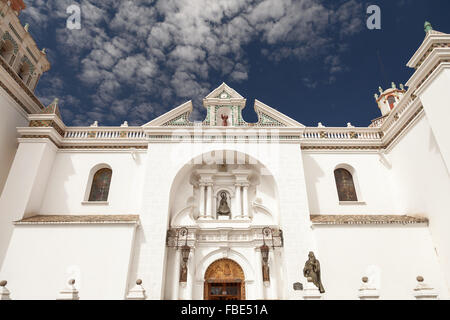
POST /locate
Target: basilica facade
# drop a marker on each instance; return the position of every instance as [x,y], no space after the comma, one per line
[222,208]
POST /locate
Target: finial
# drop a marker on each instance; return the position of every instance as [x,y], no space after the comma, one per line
[320,125]
[138,282]
[71,282]
[402,87]
[393,85]
[420,279]
[55,101]
[26,27]
[125,124]
[376,96]
[3,283]
[349,125]
[428,27]
[95,124]
[380,89]
[365,279]
[44,50]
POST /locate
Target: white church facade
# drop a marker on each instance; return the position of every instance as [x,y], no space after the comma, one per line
[223,209]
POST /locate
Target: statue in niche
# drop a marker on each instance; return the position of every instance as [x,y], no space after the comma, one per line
[312,271]
[224,208]
[224,120]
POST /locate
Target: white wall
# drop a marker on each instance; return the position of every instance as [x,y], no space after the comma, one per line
[68,182]
[10,118]
[435,98]
[372,181]
[422,184]
[400,253]
[42,258]
[283,161]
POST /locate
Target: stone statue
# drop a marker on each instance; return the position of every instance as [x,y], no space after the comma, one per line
[224,120]
[312,270]
[224,209]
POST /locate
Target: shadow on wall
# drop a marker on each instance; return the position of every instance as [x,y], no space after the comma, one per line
[313,172]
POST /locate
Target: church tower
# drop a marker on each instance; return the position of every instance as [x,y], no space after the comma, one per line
[389,98]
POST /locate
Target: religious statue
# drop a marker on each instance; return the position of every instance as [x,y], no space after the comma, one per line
[224,120]
[224,209]
[183,272]
[312,270]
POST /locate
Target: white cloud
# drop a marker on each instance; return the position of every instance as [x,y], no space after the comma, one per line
[166,50]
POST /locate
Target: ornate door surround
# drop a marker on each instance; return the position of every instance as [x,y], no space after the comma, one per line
[224,280]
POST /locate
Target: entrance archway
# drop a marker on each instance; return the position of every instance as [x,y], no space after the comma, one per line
[224,280]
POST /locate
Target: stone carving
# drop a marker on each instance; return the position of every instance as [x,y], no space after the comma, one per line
[224,208]
[312,270]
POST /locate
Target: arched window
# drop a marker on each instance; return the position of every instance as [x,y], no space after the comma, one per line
[100,185]
[391,101]
[345,185]
[24,71]
[7,51]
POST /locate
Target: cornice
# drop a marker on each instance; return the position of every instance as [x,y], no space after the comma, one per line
[427,44]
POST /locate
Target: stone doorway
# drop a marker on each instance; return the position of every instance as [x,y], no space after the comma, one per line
[224,280]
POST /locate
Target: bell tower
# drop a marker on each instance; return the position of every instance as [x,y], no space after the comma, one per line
[389,98]
[224,107]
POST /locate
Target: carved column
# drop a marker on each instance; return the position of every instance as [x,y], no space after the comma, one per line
[245,201]
[202,200]
[176,281]
[238,204]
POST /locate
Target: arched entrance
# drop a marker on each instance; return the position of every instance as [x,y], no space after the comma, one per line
[224,280]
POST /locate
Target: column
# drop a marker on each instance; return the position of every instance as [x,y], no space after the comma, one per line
[191,275]
[238,204]
[245,201]
[259,286]
[202,201]
[273,274]
[176,282]
[208,212]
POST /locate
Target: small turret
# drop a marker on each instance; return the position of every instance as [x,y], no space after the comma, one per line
[389,98]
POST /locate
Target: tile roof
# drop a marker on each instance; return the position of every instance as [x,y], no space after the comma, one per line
[367,219]
[80,219]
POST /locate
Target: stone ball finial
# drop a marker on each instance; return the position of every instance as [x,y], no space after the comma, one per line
[365,279]
[420,279]
[3,283]
[72,282]
[138,282]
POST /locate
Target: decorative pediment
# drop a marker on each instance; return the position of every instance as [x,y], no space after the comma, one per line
[224,109]
[224,92]
[175,117]
[269,117]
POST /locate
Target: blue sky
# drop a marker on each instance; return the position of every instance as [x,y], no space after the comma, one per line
[313,60]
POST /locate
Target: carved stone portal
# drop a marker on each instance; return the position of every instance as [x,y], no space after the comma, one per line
[224,280]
